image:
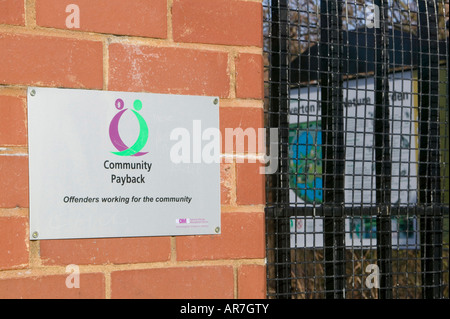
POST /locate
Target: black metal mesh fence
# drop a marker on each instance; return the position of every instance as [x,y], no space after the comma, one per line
[359,205]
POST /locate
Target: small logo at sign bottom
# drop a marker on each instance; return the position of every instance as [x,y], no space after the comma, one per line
[183,220]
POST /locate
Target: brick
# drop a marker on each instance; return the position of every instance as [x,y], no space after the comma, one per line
[226,22]
[51,61]
[250,184]
[12,12]
[14,181]
[168,70]
[251,282]
[246,118]
[136,18]
[13,242]
[13,129]
[249,76]
[226,183]
[105,250]
[92,286]
[175,283]
[242,236]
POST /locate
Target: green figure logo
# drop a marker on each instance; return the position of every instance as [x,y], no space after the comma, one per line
[122,148]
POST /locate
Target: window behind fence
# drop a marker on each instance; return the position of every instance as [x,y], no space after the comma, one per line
[358,93]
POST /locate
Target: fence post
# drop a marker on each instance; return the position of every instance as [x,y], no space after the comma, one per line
[331,54]
[278,117]
[383,165]
[429,155]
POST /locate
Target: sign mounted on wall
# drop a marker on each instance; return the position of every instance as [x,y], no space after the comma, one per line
[122,164]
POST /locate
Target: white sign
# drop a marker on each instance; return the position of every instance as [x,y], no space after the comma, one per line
[360,232]
[305,143]
[107,164]
[305,163]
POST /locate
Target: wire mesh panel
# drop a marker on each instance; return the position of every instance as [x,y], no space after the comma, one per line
[358,93]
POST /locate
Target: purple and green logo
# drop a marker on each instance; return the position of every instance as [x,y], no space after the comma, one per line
[122,148]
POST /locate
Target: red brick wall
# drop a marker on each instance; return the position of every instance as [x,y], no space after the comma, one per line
[198,47]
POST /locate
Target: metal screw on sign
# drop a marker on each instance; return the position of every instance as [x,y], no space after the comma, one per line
[217,230]
[35,234]
[216,101]
[33,92]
